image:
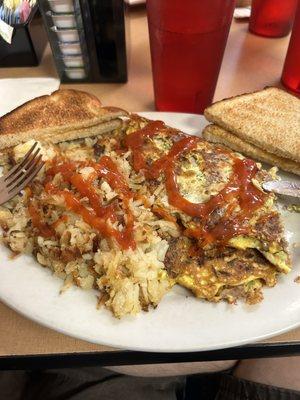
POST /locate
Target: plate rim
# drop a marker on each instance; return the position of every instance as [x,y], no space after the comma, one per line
[117,346]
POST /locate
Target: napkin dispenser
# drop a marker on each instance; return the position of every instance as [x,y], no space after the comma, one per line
[87,39]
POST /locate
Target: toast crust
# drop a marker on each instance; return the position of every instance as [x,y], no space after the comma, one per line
[82,133]
[62,111]
[91,131]
[269,119]
[215,134]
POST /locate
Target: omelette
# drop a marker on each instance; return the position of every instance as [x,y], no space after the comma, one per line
[136,211]
[232,238]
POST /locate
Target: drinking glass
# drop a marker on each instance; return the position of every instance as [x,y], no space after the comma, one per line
[291,69]
[187,41]
[272,18]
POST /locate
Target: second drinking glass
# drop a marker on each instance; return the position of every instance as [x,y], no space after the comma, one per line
[272,18]
[187,40]
[291,70]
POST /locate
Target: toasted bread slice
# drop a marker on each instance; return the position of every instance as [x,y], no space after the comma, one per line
[215,134]
[91,131]
[61,112]
[269,119]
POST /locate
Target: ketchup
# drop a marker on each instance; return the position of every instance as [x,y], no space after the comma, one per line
[97,215]
[239,191]
[36,219]
[136,141]
[237,200]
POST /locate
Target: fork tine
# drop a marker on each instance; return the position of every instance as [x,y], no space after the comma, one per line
[24,175]
[34,171]
[18,174]
[24,161]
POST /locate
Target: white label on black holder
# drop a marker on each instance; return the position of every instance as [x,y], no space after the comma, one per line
[6,31]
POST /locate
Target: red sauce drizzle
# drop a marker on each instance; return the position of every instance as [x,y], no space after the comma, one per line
[63,166]
[135,141]
[239,191]
[240,188]
[162,212]
[36,219]
[108,170]
[100,214]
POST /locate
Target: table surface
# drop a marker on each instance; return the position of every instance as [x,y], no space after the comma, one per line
[250,63]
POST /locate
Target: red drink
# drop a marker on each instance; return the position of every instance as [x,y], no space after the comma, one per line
[291,70]
[272,18]
[187,40]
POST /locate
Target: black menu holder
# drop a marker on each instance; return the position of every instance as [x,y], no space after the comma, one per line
[99,45]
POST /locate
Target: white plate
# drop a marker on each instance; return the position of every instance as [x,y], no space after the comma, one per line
[180,322]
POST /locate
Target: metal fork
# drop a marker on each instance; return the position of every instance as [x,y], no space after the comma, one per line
[21,174]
